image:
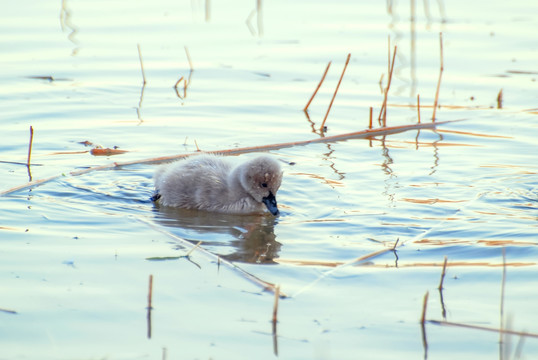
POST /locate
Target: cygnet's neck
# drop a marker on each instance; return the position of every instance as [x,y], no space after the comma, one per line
[235,190]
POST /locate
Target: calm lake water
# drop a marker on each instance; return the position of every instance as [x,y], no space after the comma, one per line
[77,251]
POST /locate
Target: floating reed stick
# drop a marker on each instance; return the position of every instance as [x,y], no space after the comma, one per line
[441,68]
[30,146]
[141,63]
[443,272]
[334,95]
[189,58]
[383,112]
[371,113]
[317,88]
[368,133]
[485,328]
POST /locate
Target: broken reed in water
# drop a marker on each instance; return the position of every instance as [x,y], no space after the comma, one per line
[141,64]
[383,112]
[317,88]
[334,95]
[441,68]
[30,146]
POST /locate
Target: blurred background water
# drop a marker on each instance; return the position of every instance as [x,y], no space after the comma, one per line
[76,251]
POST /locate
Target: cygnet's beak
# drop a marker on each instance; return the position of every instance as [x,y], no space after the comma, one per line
[270,202]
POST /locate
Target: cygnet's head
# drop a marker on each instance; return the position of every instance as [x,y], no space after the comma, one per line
[261,178]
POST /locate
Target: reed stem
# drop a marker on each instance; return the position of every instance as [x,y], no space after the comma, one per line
[334,95]
[441,68]
[317,88]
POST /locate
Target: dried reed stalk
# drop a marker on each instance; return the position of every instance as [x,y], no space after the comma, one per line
[424,308]
[150,292]
[485,328]
[30,146]
[189,59]
[334,95]
[317,88]
[443,272]
[418,107]
[177,83]
[500,99]
[364,134]
[141,63]
[275,307]
[423,322]
[441,68]
[370,121]
[383,112]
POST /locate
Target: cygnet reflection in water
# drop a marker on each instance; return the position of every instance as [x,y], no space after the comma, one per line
[243,238]
[209,182]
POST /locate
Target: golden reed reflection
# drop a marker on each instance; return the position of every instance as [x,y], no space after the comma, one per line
[67,25]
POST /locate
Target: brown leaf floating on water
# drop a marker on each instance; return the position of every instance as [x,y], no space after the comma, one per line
[106,151]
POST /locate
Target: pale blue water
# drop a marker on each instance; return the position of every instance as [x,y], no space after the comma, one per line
[75,252]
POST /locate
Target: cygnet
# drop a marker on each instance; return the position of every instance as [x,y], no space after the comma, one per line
[209,182]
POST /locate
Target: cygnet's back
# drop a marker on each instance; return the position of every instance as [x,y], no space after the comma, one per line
[208,182]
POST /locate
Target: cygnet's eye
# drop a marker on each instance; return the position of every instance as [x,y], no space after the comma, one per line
[263,185]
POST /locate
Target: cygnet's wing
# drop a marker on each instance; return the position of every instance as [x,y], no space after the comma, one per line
[194,184]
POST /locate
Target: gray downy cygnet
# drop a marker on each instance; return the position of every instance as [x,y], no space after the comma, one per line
[209,182]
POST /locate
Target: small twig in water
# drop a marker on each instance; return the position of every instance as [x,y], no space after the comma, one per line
[443,272]
[335,91]
[500,99]
[177,83]
[317,88]
[197,148]
[383,112]
[30,153]
[189,58]
[441,68]
[424,308]
[30,146]
[275,307]
[194,248]
[150,292]
[423,324]
[141,63]
[371,113]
